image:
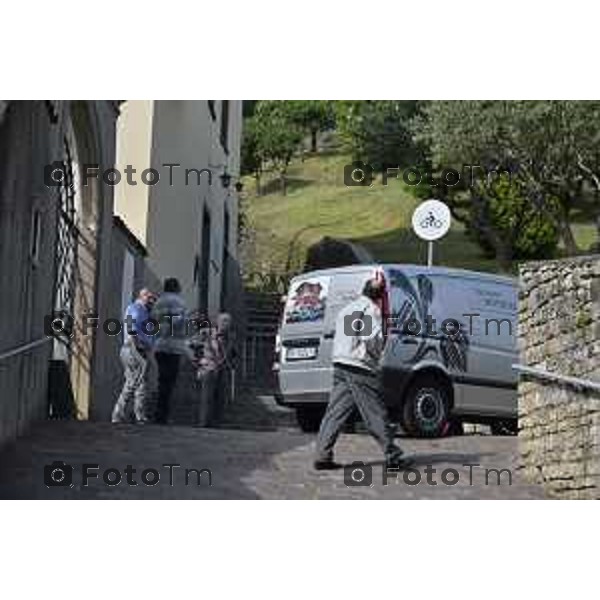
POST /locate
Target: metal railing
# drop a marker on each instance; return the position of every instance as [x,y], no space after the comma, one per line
[24,348]
[568,380]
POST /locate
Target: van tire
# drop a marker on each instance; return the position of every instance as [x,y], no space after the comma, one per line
[426,408]
[309,418]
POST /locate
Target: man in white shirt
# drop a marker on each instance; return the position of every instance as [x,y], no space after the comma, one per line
[357,348]
[170,344]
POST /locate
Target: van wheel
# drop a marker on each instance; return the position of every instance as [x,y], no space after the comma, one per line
[504,427]
[309,418]
[426,410]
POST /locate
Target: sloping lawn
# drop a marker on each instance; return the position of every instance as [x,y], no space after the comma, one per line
[318,204]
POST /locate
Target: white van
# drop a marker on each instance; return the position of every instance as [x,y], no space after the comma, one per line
[433,376]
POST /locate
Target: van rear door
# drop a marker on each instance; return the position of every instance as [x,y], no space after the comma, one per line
[308,329]
[302,368]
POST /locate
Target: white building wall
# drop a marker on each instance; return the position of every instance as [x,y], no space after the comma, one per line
[134,144]
[167,216]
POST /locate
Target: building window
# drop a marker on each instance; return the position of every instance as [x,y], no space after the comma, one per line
[224,124]
[211,108]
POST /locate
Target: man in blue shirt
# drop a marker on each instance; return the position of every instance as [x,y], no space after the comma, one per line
[139,364]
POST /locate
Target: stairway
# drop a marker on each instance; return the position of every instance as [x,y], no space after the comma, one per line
[258,348]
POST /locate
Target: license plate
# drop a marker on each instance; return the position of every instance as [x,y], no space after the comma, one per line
[301,353]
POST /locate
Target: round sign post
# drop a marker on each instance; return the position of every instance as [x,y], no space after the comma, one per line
[431,221]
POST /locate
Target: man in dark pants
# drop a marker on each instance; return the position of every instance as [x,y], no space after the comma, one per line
[170,312]
[357,348]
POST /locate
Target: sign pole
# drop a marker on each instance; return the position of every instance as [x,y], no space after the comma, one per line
[431,221]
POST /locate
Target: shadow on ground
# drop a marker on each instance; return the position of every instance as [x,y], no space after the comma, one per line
[229,453]
[258,452]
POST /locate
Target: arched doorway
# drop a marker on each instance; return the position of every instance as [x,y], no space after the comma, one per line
[76,256]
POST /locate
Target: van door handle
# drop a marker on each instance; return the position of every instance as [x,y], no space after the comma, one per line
[329,335]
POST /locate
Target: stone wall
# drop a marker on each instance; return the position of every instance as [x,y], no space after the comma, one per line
[32,136]
[559,331]
[26,282]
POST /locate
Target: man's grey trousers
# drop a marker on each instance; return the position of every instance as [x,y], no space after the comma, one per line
[361,389]
[139,389]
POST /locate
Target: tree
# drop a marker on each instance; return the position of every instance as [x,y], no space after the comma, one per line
[248,107]
[563,159]
[586,131]
[548,148]
[379,131]
[273,139]
[312,116]
[476,138]
[252,153]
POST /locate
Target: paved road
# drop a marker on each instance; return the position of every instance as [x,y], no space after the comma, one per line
[258,453]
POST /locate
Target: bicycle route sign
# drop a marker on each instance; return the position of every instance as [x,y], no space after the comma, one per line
[431,220]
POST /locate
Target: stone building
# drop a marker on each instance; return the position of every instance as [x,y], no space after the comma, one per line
[54,253]
[66,249]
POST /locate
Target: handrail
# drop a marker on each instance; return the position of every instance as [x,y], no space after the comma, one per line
[24,348]
[576,382]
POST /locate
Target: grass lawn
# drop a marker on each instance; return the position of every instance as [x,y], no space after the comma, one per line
[318,204]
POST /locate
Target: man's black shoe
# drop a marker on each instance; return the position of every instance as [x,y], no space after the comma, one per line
[400,463]
[326,465]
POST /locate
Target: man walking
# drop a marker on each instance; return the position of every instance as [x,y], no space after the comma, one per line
[170,311]
[357,348]
[138,361]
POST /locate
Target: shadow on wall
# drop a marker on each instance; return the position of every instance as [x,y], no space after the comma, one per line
[128,273]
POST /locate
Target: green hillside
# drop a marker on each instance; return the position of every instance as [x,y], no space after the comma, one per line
[318,204]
